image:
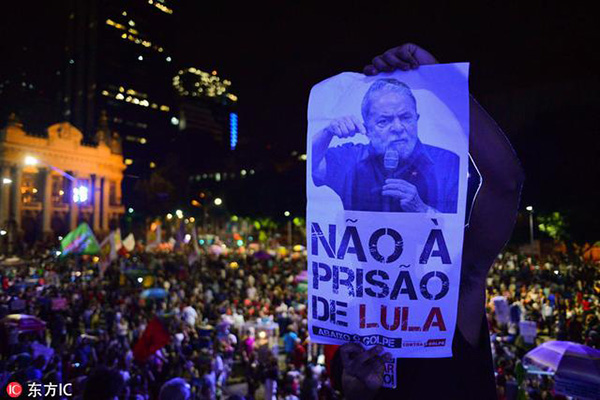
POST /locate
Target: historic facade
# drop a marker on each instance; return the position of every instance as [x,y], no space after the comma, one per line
[53,182]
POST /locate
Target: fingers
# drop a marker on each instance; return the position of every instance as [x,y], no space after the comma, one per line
[391,58]
[406,53]
[395,193]
[367,357]
[360,127]
[347,126]
[349,351]
[381,64]
[405,57]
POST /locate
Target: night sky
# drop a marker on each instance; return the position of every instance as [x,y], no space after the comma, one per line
[533,67]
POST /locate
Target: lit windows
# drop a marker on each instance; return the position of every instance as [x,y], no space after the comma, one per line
[194,82]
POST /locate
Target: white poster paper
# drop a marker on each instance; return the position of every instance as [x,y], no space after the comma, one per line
[528,330]
[501,309]
[386,186]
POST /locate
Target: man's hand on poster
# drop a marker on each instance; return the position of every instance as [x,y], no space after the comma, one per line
[363,370]
[345,127]
[405,57]
[406,193]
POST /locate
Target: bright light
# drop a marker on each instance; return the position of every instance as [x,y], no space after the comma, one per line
[192,220]
[174,121]
[130,210]
[29,160]
[179,214]
[60,238]
[143,141]
[152,164]
[302,157]
[287,213]
[140,279]
[168,59]
[61,192]
[128,161]
[233,130]
[529,208]
[58,253]
[555,272]
[140,58]
[169,216]
[218,201]
[240,242]
[80,194]
[6,181]
[262,334]
[243,172]
[187,238]
[3,232]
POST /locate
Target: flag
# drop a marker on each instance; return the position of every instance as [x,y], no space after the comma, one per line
[154,338]
[154,236]
[129,242]
[110,246]
[81,240]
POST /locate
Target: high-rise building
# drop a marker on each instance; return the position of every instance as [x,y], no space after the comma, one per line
[207,120]
[205,105]
[119,63]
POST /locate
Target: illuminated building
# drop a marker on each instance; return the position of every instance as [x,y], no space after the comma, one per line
[52,182]
[205,105]
[119,60]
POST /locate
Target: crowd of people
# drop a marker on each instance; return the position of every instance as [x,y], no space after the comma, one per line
[165,326]
[560,294]
[215,316]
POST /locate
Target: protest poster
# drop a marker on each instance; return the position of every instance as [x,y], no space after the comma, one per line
[501,309]
[528,330]
[387,164]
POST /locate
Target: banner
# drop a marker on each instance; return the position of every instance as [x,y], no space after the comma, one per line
[387,188]
[81,240]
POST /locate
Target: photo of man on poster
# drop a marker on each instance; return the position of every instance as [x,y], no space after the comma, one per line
[395,171]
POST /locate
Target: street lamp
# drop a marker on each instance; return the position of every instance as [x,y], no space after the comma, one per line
[530,209]
[218,201]
[289,228]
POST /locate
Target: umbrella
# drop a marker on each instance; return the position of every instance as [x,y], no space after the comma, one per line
[23,323]
[576,367]
[154,293]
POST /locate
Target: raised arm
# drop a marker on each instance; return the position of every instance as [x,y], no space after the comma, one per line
[341,127]
[492,218]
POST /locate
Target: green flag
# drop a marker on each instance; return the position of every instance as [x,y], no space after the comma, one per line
[81,240]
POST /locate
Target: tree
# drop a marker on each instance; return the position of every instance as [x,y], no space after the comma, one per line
[554,225]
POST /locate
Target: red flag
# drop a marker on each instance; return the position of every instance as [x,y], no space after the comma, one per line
[154,338]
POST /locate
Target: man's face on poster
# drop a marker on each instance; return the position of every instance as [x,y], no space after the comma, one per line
[392,123]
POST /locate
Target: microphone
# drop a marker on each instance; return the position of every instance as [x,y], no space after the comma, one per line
[391,160]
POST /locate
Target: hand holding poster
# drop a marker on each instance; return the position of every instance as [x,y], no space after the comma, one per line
[387,182]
